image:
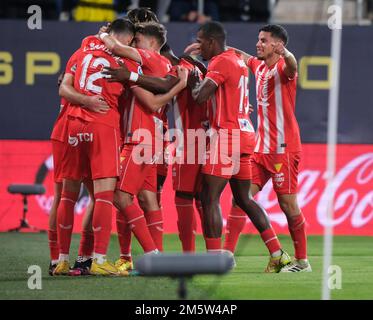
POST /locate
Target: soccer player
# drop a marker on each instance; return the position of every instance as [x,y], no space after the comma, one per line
[278,145]
[225,86]
[58,139]
[149,38]
[93,150]
[187,115]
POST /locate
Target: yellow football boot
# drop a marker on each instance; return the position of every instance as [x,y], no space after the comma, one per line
[124,264]
[104,269]
[275,264]
[62,269]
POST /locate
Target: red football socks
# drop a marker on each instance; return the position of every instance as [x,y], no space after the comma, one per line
[198,204]
[213,244]
[124,235]
[235,224]
[102,215]
[137,223]
[154,221]
[270,239]
[86,244]
[53,244]
[186,223]
[297,228]
[65,220]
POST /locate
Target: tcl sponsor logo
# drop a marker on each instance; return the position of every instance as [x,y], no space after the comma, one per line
[80,137]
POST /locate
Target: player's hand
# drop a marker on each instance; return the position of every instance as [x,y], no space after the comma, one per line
[120,74]
[193,49]
[279,48]
[103,29]
[183,75]
[97,104]
[193,78]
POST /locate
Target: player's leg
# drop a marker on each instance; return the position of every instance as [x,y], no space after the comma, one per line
[103,155]
[131,181]
[135,218]
[259,218]
[149,203]
[65,223]
[84,261]
[52,231]
[236,222]
[58,149]
[161,179]
[186,183]
[297,229]
[186,220]
[125,239]
[285,184]
[101,225]
[153,214]
[212,188]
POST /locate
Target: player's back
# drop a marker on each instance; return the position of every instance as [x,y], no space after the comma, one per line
[90,81]
[187,113]
[229,106]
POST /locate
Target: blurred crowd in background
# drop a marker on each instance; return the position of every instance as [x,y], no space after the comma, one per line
[200,11]
[167,10]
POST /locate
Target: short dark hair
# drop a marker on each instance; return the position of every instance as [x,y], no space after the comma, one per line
[141,15]
[122,26]
[215,30]
[277,31]
[153,29]
[166,48]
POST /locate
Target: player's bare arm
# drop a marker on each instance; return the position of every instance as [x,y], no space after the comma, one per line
[117,47]
[191,50]
[95,103]
[244,56]
[290,68]
[201,90]
[155,85]
[154,102]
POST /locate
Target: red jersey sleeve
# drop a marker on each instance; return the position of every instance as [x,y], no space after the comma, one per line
[173,71]
[284,78]
[71,63]
[132,66]
[217,71]
[253,63]
[145,56]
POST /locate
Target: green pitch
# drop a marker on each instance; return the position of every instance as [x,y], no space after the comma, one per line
[354,255]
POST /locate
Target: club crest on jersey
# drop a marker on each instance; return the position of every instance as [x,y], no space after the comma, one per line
[80,137]
[278,166]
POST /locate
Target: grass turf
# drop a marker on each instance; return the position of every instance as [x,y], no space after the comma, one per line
[247,281]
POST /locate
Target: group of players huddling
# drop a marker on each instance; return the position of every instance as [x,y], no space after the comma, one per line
[112,135]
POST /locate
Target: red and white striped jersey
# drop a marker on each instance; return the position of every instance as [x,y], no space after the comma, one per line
[278,130]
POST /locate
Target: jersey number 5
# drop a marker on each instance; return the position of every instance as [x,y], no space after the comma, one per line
[98,62]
